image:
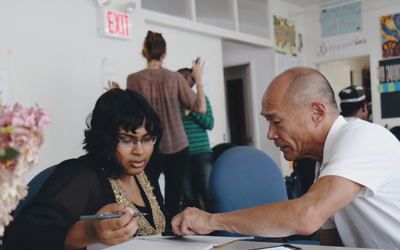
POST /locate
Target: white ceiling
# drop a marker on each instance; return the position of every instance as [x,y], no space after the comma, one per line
[311,3]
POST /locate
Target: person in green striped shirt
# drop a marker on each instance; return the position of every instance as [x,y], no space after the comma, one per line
[197,175]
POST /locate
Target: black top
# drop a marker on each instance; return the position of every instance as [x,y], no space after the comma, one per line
[76,187]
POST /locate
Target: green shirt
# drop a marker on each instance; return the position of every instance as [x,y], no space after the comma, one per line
[195,126]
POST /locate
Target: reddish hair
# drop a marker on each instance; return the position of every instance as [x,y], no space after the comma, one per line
[154,46]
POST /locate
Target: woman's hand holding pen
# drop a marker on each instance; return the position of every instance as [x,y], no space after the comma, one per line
[114,231]
[108,232]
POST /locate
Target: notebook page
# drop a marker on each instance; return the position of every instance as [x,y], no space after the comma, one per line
[154,245]
[192,242]
[196,239]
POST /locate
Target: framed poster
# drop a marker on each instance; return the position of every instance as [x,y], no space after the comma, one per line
[390,31]
[285,36]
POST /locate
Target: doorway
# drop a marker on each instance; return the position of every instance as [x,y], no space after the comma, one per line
[349,72]
[239,105]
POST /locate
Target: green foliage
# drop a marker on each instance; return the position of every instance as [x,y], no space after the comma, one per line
[8,154]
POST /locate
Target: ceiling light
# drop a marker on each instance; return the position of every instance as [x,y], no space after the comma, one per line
[104,3]
[130,7]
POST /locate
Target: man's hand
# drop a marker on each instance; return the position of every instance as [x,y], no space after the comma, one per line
[191,221]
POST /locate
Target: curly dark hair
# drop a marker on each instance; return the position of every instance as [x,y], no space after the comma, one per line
[117,109]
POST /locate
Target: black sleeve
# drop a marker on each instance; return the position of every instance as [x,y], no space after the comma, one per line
[75,188]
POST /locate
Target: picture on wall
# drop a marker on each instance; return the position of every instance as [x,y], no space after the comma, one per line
[285,36]
[390,31]
[340,20]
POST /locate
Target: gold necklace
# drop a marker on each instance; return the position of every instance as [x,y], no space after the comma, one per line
[144,227]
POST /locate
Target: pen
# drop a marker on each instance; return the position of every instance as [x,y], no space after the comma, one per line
[107,216]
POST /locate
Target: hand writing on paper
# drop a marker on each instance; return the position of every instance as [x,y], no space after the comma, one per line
[114,231]
[191,221]
[109,232]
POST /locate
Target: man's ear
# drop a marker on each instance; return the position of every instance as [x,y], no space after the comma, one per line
[164,55]
[318,112]
[365,107]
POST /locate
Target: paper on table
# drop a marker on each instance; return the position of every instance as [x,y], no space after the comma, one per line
[192,242]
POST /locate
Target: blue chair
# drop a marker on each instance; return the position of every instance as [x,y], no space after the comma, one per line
[34,185]
[244,177]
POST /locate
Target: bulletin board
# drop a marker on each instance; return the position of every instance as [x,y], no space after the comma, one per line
[341,20]
[389,87]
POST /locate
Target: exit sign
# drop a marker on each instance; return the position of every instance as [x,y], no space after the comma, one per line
[114,24]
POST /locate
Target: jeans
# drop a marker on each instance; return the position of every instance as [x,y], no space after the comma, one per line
[173,166]
[197,177]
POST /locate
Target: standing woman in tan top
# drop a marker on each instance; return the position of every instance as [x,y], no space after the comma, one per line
[165,90]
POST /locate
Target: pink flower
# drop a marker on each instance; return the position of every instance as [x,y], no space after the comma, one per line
[22,130]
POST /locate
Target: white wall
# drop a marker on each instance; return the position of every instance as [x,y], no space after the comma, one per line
[371,13]
[338,76]
[54,56]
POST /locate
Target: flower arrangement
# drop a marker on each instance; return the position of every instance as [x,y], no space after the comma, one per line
[21,135]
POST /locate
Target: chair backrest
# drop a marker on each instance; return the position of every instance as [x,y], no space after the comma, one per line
[244,177]
[221,148]
[34,185]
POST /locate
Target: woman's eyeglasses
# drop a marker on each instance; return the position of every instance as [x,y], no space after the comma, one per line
[128,143]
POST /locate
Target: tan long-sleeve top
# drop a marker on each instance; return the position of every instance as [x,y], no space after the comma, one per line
[165,90]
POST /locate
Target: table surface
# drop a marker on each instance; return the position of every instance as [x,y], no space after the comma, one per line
[254,244]
[244,245]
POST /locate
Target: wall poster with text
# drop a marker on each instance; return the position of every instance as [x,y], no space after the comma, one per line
[285,36]
[341,20]
[390,32]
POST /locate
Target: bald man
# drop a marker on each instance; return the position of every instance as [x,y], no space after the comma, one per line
[355,198]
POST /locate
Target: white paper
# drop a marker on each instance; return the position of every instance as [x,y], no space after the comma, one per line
[286,62]
[191,242]
[108,72]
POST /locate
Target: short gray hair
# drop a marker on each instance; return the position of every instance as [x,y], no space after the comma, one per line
[309,86]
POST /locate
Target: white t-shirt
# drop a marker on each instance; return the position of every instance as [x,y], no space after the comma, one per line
[351,118]
[367,154]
